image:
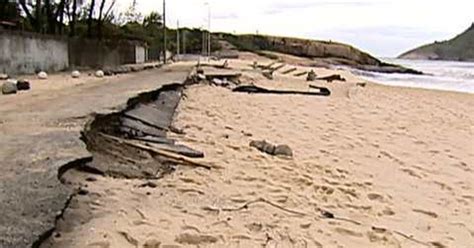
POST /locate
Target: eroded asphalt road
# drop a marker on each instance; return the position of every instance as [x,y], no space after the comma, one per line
[39,132]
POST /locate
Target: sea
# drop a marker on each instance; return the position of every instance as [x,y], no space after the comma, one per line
[439,75]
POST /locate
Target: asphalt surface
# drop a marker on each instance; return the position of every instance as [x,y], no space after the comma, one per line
[39,132]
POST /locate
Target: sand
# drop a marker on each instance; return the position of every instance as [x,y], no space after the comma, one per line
[393,165]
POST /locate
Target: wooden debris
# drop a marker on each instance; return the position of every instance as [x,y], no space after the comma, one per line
[289,71]
[299,74]
[278,67]
[158,151]
[335,77]
[252,89]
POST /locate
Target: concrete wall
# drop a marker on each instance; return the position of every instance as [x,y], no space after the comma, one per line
[27,53]
[24,53]
[100,54]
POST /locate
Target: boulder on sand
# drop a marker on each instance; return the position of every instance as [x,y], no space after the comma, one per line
[9,87]
[42,75]
[23,85]
[269,148]
[75,74]
[3,76]
[99,74]
[311,76]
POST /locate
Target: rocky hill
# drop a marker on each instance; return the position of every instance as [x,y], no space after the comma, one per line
[460,48]
[322,52]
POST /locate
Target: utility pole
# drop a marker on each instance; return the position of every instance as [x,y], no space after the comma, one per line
[209,34]
[184,41]
[177,39]
[164,32]
[203,42]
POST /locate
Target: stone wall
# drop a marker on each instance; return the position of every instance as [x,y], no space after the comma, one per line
[26,53]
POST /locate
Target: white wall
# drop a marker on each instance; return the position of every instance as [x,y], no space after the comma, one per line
[25,53]
[140,54]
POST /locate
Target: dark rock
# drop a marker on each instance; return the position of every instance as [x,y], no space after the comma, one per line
[269,148]
[327,214]
[283,150]
[83,192]
[108,72]
[311,76]
[91,179]
[149,185]
[23,85]
[268,74]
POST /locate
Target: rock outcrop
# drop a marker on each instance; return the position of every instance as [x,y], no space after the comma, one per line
[460,48]
[325,52]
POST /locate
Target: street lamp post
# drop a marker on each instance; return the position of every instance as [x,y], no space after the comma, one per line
[177,38]
[164,32]
[209,30]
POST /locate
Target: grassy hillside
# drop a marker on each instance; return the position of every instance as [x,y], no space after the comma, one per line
[344,54]
[460,48]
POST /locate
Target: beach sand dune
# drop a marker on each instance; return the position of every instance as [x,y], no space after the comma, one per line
[372,166]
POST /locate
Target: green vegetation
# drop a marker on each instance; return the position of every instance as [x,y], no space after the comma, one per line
[460,48]
[95,19]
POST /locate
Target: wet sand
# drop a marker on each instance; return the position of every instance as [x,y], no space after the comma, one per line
[392,165]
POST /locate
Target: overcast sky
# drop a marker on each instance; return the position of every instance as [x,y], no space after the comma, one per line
[381,27]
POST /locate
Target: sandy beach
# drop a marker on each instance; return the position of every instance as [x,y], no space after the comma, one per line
[372,166]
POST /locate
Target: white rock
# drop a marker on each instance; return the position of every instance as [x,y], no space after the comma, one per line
[3,76]
[99,74]
[43,75]
[12,81]
[75,74]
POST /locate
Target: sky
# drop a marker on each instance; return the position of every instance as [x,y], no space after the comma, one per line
[385,28]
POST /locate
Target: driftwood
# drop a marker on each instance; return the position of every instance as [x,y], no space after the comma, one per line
[278,67]
[251,89]
[223,66]
[329,79]
[255,65]
[289,71]
[299,74]
[170,155]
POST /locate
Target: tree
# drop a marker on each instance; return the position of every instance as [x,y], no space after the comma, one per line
[9,11]
[89,19]
[132,14]
[153,19]
[102,16]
